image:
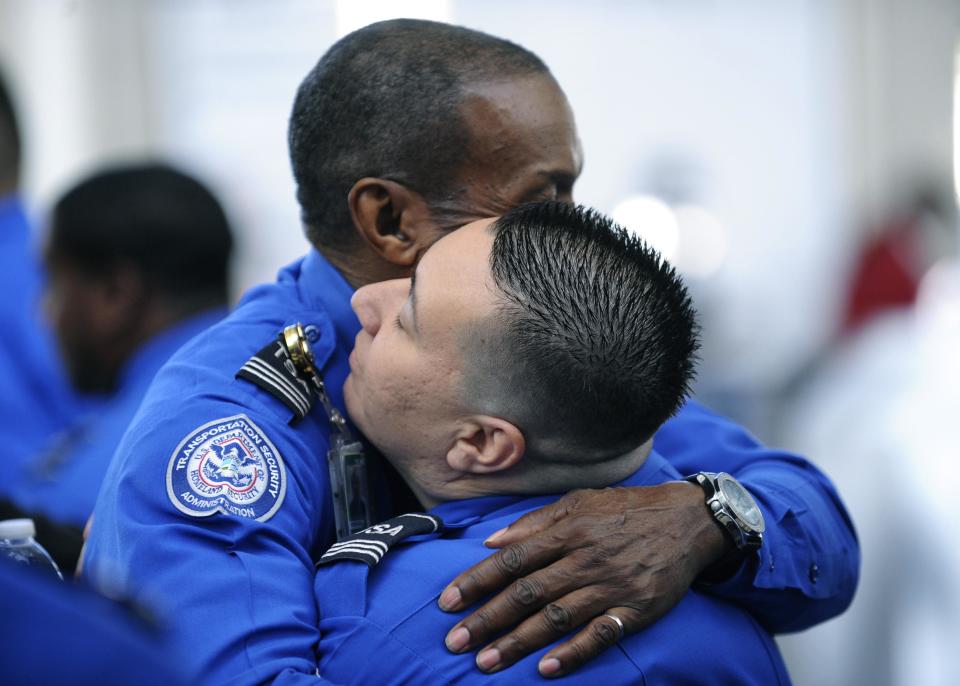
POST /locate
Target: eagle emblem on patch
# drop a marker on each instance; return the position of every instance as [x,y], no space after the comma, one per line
[230,466]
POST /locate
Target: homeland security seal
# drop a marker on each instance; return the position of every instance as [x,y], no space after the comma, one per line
[230,466]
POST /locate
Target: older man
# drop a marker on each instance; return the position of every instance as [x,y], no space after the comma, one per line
[404,131]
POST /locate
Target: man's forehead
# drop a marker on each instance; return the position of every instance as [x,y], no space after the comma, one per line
[467,249]
[453,279]
[531,112]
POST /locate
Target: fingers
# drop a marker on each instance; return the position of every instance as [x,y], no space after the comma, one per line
[552,622]
[521,599]
[535,522]
[626,549]
[498,570]
[600,634]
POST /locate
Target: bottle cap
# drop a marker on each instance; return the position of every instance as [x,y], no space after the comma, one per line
[17,528]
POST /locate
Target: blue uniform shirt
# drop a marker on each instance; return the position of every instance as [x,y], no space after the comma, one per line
[63,480]
[381,625]
[238,584]
[807,569]
[233,573]
[57,633]
[35,397]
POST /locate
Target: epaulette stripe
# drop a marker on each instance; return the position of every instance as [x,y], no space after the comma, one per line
[359,551]
[376,551]
[268,375]
[289,385]
[295,402]
[356,548]
[376,545]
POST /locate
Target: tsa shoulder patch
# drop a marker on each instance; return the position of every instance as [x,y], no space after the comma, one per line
[230,466]
[370,545]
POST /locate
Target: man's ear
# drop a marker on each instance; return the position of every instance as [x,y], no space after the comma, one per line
[486,445]
[392,219]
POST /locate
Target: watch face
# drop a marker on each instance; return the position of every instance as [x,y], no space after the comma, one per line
[742,503]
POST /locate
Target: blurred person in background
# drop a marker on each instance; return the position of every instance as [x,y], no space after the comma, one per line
[138,260]
[36,401]
[896,254]
[881,414]
[404,131]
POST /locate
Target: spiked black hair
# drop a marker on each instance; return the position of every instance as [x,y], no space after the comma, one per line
[597,338]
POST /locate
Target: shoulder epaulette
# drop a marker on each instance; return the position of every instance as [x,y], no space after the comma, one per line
[272,370]
[370,545]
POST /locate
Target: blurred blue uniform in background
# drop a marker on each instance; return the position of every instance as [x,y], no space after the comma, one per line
[58,633]
[63,480]
[35,398]
[381,624]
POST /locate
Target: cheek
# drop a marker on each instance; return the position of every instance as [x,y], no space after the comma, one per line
[388,387]
[377,386]
[65,315]
[70,306]
[350,400]
[54,306]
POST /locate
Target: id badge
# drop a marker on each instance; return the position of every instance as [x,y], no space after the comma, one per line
[350,486]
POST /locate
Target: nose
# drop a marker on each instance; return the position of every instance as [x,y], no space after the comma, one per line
[378,301]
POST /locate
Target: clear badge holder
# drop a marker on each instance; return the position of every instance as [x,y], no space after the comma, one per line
[349,479]
[348,483]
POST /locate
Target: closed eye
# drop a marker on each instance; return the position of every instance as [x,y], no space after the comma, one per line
[397,324]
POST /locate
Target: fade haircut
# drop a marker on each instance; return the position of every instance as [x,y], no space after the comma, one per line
[164,223]
[595,335]
[385,102]
[10,144]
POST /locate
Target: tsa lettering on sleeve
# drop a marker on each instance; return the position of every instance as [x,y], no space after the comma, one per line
[230,466]
[272,370]
[371,544]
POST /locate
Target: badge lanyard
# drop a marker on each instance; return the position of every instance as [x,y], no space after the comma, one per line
[347,462]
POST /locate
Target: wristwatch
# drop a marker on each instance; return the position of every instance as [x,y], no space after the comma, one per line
[733,507]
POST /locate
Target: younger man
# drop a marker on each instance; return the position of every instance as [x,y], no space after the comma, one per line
[511,368]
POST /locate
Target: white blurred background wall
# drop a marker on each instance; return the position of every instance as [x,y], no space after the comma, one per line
[777,134]
[791,123]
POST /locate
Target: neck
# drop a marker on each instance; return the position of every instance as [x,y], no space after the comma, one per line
[361,267]
[529,477]
[427,500]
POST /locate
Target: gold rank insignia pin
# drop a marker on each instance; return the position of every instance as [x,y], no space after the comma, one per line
[299,349]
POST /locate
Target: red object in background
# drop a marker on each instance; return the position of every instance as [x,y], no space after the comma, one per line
[886,275]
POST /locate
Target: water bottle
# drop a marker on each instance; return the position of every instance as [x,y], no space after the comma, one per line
[17,543]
